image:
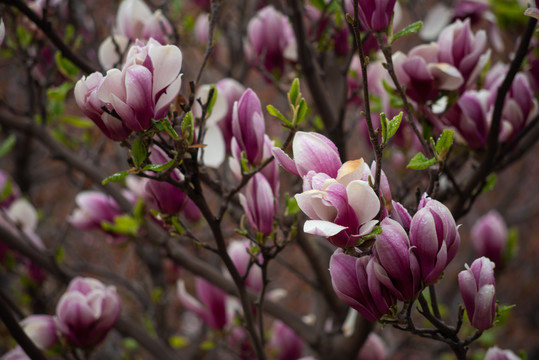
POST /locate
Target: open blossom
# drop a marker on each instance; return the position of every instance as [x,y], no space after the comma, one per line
[459,47]
[145,87]
[422,75]
[435,236]
[477,287]
[87,100]
[87,311]
[356,284]
[212,305]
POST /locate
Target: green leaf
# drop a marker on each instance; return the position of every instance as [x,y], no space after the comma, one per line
[123,224]
[59,93]
[177,226]
[301,112]
[292,207]
[512,245]
[164,125]
[130,344]
[7,190]
[24,36]
[393,125]
[490,183]
[410,29]
[273,111]
[66,67]
[177,341]
[139,152]
[211,101]
[116,177]
[207,345]
[60,255]
[158,167]
[444,143]
[384,124]
[78,122]
[420,162]
[157,294]
[7,145]
[319,4]
[187,127]
[293,94]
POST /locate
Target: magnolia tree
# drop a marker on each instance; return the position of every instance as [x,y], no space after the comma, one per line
[170,191]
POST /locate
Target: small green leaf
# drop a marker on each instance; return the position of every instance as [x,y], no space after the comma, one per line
[410,29]
[7,190]
[211,101]
[177,226]
[117,177]
[157,294]
[177,341]
[512,245]
[77,122]
[66,67]
[292,207]
[164,125]
[7,145]
[123,224]
[384,124]
[139,152]
[59,256]
[490,183]
[24,36]
[158,167]
[444,143]
[301,112]
[420,162]
[293,94]
[187,127]
[393,125]
[130,344]
[207,345]
[272,110]
[59,93]
[319,4]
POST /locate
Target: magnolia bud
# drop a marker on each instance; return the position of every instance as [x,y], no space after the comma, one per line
[489,237]
[477,287]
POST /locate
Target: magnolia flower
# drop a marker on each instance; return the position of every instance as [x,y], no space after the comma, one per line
[356,284]
[87,311]
[259,204]
[477,287]
[41,329]
[286,342]
[239,252]
[495,353]
[489,237]
[373,349]
[435,236]
[212,305]
[145,87]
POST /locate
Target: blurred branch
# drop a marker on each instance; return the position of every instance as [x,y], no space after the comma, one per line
[45,26]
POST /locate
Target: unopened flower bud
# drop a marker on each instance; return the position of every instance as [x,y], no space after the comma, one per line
[489,237]
[477,287]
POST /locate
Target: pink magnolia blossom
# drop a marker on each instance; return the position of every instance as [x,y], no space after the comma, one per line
[87,311]
[41,329]
[489,237]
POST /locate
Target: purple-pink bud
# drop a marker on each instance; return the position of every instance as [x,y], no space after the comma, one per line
[312,152]
[93,208]
[270,36]
[232,91]
[212,310]
[356,284]
[41,329]
[248,127]
[87,311]
[495,353]
[489,237]
[239,252]
[396,265]
[477,287]
[136,21]
[259,205]
[373,349]
[286,342]
[435,236]
[374,15]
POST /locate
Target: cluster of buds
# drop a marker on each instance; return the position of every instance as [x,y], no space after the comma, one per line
[127,100]
[250,146]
